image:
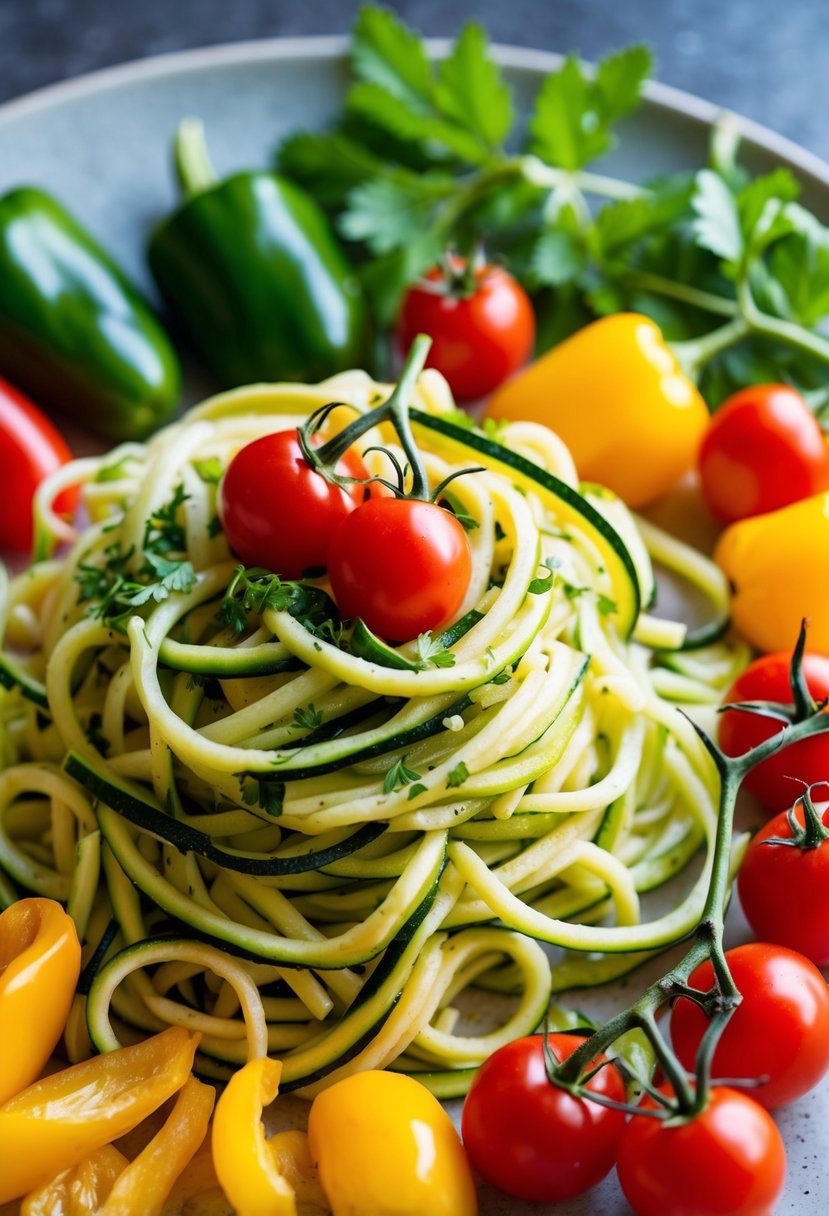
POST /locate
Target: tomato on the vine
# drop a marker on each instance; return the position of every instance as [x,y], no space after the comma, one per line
[780,1029]
[278,512]
[784,889]
[480,320]
[728,1160]
[779,779]
[400,564]
[763,449]
[529,1137]
[30,449]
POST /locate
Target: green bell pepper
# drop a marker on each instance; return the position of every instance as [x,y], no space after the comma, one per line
[74,333]
[253,273]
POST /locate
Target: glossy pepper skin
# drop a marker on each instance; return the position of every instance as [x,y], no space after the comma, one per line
[384,1144]
[40,959]
[778,567]
[66,1116]
[74,333]
[617,396]
[255,277]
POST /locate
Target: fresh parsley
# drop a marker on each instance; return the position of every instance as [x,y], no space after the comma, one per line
[432,653]
[308,717]
[458,775]
[398,776]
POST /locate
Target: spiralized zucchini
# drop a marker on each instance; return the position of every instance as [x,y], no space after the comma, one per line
[278,879]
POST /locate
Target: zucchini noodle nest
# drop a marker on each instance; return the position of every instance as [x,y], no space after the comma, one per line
[310,848]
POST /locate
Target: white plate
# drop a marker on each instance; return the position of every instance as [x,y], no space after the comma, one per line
[101,144]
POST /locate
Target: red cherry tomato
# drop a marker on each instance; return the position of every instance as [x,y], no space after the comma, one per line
[780,1030]
[479,336]
[279,513]
[727,1161]
[784,890]
[531,1139]
[777,781]
[400,564]
[763,449]
[30,449]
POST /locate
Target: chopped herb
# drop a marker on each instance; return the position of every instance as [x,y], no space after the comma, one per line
[503,677]
[606,605]
[214,527]
[398,776]
[416,790]
[309,718]
[269,795]
[458,775]
[431,651]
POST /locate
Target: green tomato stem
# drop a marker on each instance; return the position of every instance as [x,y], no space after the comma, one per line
[707,301]
[695,353]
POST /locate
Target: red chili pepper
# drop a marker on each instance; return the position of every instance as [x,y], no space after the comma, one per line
[30,449]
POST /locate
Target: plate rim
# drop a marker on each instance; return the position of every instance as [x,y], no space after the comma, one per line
[332,47]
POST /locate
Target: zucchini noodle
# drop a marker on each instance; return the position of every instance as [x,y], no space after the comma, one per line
[305,847]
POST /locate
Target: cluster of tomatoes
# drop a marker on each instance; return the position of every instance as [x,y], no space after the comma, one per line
[401,564]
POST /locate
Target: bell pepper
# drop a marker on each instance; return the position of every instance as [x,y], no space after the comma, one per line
[261,1177]
[616,394]
[380,1134]
[74,333]
[81,1190]
[778,567]
[254,275]
[30,449]
[40,960]
[64,1117]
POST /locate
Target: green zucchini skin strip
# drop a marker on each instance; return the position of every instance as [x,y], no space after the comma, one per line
[226,662]
[357,945]
[503,458]
[149,817]
[12,677]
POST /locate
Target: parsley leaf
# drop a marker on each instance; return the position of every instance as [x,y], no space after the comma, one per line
[471,89]
[544,582]
[573,115]
[458,775]
[386,214]
[387,53]
[558,257]
[210,470]
[398,776]
[309,718]
[269,795]
[416,790]
[717,221]
[432,651]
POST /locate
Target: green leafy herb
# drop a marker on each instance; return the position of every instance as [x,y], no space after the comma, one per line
[210,470]
[308,717]
[398,776]
[458,775]
[415,791]
[269,795]
[432,652]
[544,582]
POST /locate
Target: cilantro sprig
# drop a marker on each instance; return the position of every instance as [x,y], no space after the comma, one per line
[430,155]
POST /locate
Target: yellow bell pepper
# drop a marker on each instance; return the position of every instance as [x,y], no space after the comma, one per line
[384,1146]
[80,1190]
[40,960]
[617,396]
[61,1119]
[778,567]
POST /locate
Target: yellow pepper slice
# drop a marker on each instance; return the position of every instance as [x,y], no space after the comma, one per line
[245,1166]
[617,396]
[61,1119]
[80,1190]
[40,960]
[143,1187]
[385,1146]
[778,567]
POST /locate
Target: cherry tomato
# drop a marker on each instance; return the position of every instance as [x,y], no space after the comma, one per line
[481,333]
[277,511]
[727,1161]
[777,781]
[784,890]
[531,1139]
[780,1030]
[763,449]
[30,449]
[400,564]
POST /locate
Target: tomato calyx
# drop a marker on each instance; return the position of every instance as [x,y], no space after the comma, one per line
[803,706]
[812,832]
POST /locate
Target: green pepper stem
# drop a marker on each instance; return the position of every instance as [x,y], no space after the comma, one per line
[194,169]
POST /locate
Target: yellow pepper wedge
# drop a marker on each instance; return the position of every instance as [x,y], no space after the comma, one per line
[262,1177]
[384,1146]
[144,1185]
[40,960]
[80,1190]
[61,1119]
[778,567]
[617,396]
